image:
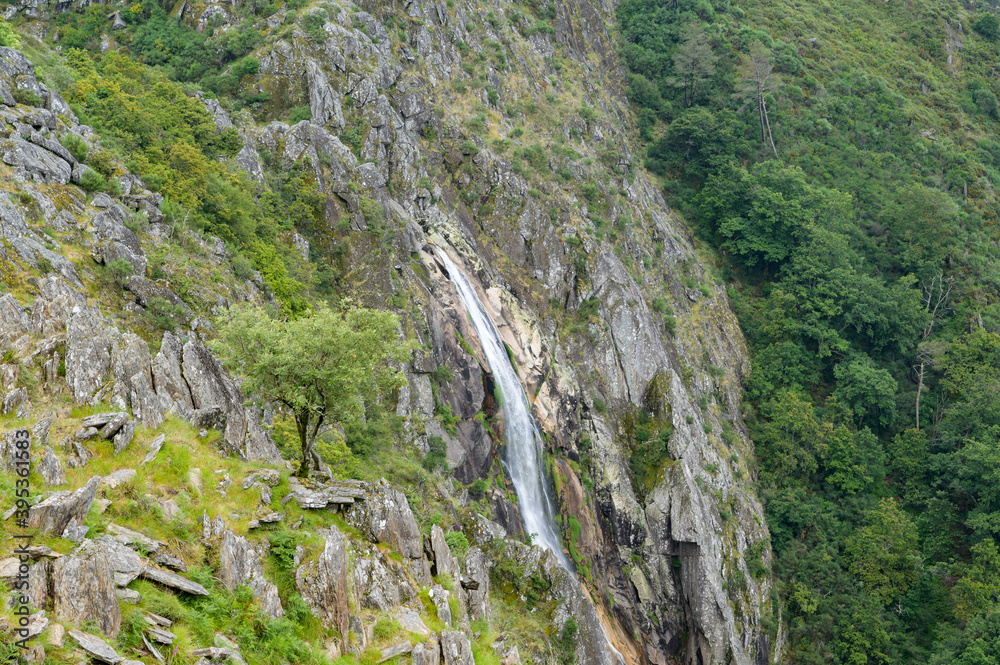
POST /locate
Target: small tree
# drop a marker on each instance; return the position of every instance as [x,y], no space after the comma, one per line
[694,62]
[324,367]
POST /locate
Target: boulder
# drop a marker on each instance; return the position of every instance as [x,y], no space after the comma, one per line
[385,517]
[239,564]
[119,477]
[83,589]
[394,651]
[53,514]
[50,468]
[323,584]
[426,653]
[444,562]
[34,162]
[125,563]
[174,581]
[96,647]
[88,352]
[476,583]
[378,587]
[54,306]
[455,648]
[439,596]
[145,291]
[131,367]
[134,539]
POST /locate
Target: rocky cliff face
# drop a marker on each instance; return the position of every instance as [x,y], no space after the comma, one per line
[581,310]
[504,140]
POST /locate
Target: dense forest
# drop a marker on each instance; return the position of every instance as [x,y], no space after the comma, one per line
[841,159]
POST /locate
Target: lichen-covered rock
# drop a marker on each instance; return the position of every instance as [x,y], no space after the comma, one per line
[96,647]
[88,352]
[379,587]
[444,561]
[455,648]
[53,514]
[83,589]
[125,563]
[323,584]
[239,564]
[476,583]
[50,468]
[210,386]
[385,517]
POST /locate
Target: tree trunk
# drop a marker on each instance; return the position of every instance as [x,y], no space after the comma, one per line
[307,465]
[769,135]
[920,389]
[760,110]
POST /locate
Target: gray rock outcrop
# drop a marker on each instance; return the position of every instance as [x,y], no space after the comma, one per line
[52,515]
[239,564]
[323,584]
[385,517]
[83,589]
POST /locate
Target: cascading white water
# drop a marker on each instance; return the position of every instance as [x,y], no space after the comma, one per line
[524,441]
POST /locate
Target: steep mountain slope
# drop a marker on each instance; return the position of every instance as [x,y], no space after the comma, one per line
[500,135]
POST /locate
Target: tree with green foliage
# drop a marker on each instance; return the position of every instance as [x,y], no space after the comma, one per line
[325,367]
[988,26]
[884,552]
[694,62]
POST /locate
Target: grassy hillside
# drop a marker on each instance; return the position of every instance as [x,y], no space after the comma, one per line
[861,252]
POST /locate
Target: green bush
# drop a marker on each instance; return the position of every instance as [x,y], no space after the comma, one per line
[120,270]
[92,181]
[26,97]
[298,114]
[436,452]
[138,222]
[312,24]
[163,314]
[988,26]
[76,146]
[457,542]
[8,37]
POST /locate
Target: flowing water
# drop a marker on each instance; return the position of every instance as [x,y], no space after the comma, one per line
[524,439]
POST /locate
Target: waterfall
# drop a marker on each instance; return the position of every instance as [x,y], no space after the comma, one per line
[524,440]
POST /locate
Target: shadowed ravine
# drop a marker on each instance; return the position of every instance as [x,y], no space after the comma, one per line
[523,438]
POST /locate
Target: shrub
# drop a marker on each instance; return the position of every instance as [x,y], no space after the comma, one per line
[458,543]
[988,26]
[76,146]
[8,37]
[313,25]
[138,222]
[436,451]
[102,162]
[26,97]
[120,270]
[163,314]
[92,181]
[298,114]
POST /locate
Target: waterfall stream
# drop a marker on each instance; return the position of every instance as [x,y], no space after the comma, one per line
[523,437]
[524,440]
